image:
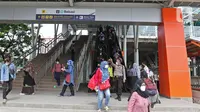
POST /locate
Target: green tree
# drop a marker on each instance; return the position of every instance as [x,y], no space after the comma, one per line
[15,39]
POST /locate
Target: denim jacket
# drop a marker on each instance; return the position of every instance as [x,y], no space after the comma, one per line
[5,72]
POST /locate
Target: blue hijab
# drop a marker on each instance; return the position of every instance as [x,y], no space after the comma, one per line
[70,70]
[105,74]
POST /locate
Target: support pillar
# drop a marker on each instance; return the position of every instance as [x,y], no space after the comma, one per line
[119,36]
[56,26]
[156,59]
[194,66]
[125,45]
[34,40]
[136,42]
[173,64]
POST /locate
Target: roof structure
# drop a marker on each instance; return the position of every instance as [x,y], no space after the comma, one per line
[165,3]
[193,48]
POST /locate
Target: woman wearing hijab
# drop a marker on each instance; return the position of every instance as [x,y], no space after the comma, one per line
[100,83]
[152,90]
[138,101]
[29,82]
[69,72]
[133,76]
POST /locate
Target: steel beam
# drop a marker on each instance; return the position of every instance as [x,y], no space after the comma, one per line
[71,3]
[80,4]
[74,27]
[171,3]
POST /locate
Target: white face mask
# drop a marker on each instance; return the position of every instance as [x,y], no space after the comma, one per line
[57,62]
[117,63]
[143,88]
[7,63]
[106,66]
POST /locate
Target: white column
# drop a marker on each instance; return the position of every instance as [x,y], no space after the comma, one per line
[56,26]
[55,34]
[119,36]
[125,45]
[194,66]
[33,43]
[136,42]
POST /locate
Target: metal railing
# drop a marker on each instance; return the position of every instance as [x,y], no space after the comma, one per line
[192,31]
[53,42]
[79,68]
[50,61]
[151,32]
[44,48]
[44,68]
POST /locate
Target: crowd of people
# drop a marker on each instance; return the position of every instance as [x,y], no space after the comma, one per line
[110,75]
[140,82]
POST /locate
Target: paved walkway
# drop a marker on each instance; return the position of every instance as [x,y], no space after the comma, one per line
[85,101]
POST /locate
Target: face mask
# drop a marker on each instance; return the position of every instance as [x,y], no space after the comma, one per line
[57,62]
[7,63]
[117,63]
[143,88]
[106,66]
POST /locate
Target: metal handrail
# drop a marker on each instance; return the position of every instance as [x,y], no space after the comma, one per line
[50,61]
[36,47]
[79,64]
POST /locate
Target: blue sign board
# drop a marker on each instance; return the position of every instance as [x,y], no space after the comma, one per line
[65,17]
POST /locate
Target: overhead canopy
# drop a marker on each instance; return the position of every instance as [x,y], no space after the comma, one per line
[193,48]
[165,3]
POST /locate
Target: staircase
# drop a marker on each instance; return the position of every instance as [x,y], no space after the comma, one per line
[47,83]
[42,62]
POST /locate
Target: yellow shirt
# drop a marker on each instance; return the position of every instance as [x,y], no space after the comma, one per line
[110,70]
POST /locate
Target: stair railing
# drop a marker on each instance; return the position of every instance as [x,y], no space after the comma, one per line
[79,68]
[43,70]
[46,46]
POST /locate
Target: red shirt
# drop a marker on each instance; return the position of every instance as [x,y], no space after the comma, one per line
[57,68]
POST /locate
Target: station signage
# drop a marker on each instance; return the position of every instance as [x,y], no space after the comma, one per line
[65,14]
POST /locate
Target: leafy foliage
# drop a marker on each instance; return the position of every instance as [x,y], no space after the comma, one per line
[15,39]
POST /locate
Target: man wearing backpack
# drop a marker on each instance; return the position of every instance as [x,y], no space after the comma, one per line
[8,74]
[57,71]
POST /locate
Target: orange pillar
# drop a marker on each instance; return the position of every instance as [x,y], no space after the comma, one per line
[173,63]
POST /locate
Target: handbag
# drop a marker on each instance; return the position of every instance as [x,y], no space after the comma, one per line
[104,85]
[92,83]
[67,79]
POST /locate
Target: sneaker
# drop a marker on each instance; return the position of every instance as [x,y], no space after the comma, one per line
[99,110]
[21,94]
[72,95]
[60,95]
[119,99]
[159,102]
[106,108]
[4,101]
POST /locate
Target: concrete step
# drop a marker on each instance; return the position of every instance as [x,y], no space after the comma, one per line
[48,86]
[49,89]
[4,109]
[89,108]
[86,101]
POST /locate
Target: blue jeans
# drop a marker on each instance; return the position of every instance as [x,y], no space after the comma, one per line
[101,96]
